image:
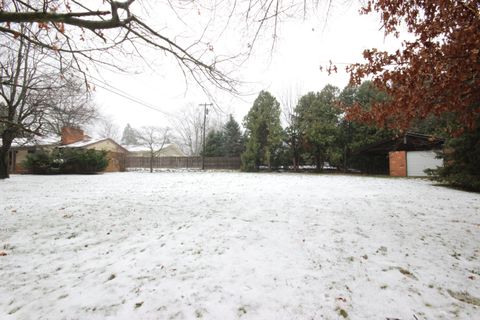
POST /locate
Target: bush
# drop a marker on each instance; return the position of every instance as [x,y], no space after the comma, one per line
[67,160]
[38,162]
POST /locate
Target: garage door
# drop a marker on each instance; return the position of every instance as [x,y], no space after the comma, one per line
[418,161]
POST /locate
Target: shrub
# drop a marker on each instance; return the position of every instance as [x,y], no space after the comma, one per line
[38,162]
[67,160]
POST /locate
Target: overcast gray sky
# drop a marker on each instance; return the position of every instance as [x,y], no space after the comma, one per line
[303,45]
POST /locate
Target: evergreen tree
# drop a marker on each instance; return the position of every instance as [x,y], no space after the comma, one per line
[214,144]
[264,132]
[354,135]
[129,136]
[233,139]
[461,161]
[317,121]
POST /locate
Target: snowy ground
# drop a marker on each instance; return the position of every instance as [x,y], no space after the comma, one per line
[186,245]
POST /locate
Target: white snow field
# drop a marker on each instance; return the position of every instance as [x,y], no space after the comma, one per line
[227,245]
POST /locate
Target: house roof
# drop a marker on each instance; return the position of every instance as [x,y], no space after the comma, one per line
[47,140]
[88,142]
[83,143]
[410,141]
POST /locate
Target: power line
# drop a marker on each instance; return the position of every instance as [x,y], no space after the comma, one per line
[114,90]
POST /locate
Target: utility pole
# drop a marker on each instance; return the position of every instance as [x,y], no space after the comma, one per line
[205,112]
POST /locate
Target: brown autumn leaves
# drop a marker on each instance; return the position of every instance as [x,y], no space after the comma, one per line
[437,73]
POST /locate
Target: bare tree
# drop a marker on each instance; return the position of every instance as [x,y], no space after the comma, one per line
[106,128]
[26,90]
[71,105]
[154,138]
[289,100]
[78,29]
[187,126]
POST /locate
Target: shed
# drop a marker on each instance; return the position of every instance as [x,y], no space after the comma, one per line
[408,155]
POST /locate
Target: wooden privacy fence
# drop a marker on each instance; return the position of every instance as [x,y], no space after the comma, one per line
[184,162]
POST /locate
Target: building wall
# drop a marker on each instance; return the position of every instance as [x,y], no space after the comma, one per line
[116,162]
[106,145]
[19,157]
[398,163]
[115,155]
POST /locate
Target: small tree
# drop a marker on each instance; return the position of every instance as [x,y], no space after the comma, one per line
[154,138]
[233,139]
[264,132]
[187,126]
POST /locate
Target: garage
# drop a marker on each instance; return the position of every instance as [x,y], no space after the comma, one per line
[419,161]
[407,155]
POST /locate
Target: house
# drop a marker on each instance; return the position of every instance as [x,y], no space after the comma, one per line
[168,150]
[408,155]
[70,138]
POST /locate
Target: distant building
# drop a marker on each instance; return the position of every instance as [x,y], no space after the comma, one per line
[70,138]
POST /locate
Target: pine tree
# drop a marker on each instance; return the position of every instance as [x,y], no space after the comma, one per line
[317,120]
[233,139]
[129,136]
[214,144]
[264,132]
[461,159]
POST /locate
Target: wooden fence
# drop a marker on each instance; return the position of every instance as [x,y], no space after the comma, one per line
[184,162]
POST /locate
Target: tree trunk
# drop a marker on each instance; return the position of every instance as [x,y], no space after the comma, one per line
[4,150]
[319,162]
[151,164]
[4,164]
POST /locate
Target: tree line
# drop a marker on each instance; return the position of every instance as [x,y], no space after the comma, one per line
[317,132]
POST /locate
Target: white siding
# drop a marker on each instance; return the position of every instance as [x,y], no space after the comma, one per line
[418,161]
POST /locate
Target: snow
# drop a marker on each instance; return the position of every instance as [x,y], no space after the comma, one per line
[46,140]
[83,143]
[228,245]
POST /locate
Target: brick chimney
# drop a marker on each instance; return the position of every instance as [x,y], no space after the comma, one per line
[71,135]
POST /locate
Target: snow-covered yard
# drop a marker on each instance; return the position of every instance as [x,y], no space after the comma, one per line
[220,245]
